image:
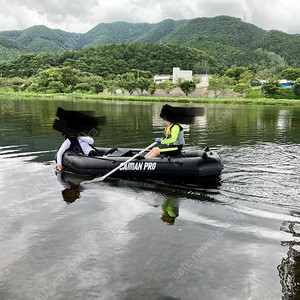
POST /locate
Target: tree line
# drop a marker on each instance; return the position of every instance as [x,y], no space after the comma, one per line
[126,67]
[111,60]
[69,80]
[242,80]
[131,68]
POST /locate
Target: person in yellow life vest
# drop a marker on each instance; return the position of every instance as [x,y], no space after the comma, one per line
[172,143]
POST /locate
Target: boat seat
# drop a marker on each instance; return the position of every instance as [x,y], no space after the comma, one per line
[166,155]
[110,151]
[120,153]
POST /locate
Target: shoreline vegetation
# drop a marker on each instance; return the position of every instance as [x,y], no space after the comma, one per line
[96,97]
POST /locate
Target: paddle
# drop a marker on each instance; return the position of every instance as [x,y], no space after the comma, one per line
[99,179]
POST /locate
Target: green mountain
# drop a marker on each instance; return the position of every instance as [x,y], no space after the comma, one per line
[227,30]
[230,40]
[43,39]
[235,42]
[115,33]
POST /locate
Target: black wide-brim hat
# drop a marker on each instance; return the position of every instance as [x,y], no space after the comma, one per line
[69,130]
[77,121]
[181,114]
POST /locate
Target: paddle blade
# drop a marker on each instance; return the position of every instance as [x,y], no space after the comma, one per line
[98,179]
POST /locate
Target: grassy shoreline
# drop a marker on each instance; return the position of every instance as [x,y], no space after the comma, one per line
[259,101]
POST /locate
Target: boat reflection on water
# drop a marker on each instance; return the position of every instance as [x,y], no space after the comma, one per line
[289,269]
[170,192]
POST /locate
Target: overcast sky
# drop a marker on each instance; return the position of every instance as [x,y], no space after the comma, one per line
[82,15]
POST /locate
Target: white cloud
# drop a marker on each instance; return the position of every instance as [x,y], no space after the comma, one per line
[80,16]
[277,14]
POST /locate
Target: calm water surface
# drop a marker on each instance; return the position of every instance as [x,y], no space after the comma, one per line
[236,239]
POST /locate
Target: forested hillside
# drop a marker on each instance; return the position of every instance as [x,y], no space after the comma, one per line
[230,40]
[43,39]
[115,33]
[227,30]
[159,31]
[235,42]
[10,49]
[112,60]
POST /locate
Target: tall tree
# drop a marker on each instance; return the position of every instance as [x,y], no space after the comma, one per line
[290,74]
[216,85]
[142,84]
[296,87]
[187,87]
[236,73]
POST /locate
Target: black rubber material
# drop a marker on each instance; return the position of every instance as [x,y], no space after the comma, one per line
[189,166]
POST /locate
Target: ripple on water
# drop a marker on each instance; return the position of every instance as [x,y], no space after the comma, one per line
[104,232]
[265,173]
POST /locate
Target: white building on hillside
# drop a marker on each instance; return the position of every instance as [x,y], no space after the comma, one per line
[181,75]
[177,75]
[160,78]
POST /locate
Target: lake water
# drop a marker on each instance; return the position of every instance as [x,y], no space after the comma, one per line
[236,239]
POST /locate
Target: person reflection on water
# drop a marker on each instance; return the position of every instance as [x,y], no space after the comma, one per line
[71,191]
[170,211]
[76,142]
[172,143]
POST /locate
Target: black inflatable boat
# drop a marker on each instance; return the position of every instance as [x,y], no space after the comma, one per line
[191,165]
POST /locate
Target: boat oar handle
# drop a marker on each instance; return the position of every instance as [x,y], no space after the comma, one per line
[99,179]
